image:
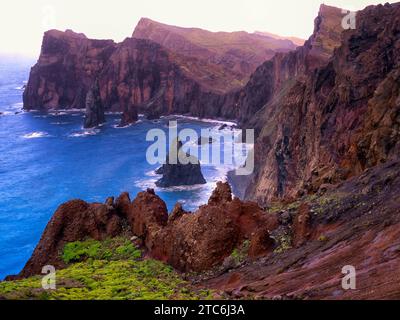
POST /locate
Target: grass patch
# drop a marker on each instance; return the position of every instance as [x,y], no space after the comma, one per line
[107,270]
[111,249]
[240,254]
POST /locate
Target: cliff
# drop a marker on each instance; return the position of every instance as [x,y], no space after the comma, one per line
[65,71]
[271,79]
[139,74]
[326,114]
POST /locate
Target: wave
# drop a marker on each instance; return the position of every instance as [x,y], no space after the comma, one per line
[59,123]
[222,122]
[84,133]
[35,135]
[58,113]
[66,110]
[152,173]
[117,126]
[112,113]
[144,184]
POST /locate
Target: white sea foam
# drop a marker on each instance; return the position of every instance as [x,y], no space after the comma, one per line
[60,123]
[152,173]
[111,113]
[84,133]
[117,126]
[221,122]
[35,135]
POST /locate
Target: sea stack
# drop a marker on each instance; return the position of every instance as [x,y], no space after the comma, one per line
[129,116]
[94,114]
[176,173]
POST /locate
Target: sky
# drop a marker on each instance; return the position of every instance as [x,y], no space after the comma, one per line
[23,22]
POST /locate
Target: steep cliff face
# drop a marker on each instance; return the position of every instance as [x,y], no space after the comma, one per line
[272,78]
[143,76]
[133,75]
[66,69]
[140,74]
[236,54]
[328,119]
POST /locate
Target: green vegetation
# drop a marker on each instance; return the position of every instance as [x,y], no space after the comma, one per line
[110,249]
[111,269]
[240,254]
[284,241]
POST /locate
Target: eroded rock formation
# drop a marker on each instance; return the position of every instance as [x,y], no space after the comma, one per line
[74,220]
[94,113]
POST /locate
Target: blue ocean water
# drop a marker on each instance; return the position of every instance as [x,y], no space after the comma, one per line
[47,159]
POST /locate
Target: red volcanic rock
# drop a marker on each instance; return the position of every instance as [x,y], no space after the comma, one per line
[177,213]
[74,220]
[301,225]
[202,240]
[123,204]
[221,194]
[147,214]
[356,224]
[261,242]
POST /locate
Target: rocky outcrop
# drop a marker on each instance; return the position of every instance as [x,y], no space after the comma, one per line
[178,173]
[202,240]
[197,241]
[356,224]
[94,114]
[74,220]
[327,119]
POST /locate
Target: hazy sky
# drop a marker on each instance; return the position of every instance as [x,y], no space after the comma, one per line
[22,22]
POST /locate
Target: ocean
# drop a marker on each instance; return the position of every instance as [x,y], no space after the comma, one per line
[48,158]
